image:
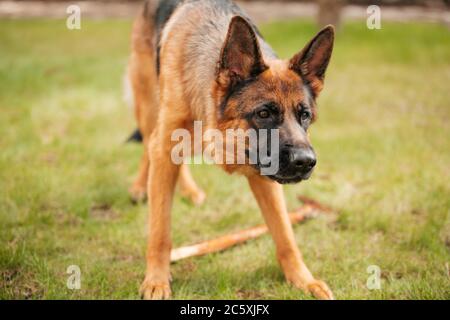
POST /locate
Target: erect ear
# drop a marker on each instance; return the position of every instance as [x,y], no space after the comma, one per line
[241,57]
[312,62]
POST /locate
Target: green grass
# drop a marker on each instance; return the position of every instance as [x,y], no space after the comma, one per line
[383,147]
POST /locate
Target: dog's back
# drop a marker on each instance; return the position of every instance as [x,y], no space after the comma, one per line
[196,31]
[207,19]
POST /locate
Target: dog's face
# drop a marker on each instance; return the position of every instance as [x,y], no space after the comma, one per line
[274,94]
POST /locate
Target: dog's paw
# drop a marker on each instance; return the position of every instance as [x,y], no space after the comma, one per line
[317,288]
[197,197]
[138,194]
[320,290]
[155,290]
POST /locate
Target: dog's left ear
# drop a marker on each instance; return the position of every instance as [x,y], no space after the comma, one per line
[312,62]
[240,58]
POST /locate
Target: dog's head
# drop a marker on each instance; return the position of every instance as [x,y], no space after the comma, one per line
[275,94]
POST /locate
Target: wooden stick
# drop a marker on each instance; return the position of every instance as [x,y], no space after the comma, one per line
[315,204]
[310,209]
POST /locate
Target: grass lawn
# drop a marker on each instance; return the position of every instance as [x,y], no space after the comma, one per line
[383,149]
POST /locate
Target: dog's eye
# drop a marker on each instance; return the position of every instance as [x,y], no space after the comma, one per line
[263,114]
[305,115]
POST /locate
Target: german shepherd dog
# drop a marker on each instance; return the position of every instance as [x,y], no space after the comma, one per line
[195,60]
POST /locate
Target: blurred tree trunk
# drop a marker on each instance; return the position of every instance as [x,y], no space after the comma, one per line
[330,12]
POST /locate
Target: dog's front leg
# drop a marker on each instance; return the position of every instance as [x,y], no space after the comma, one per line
[270,198]
[162,179]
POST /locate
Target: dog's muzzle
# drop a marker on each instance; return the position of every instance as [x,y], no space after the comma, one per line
[296,164]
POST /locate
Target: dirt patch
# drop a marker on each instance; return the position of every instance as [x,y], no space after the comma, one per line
[186,267]
[7,276]
[249,294]
[19,284]
[103,212]
[59,214]
[49,158]
[391,276]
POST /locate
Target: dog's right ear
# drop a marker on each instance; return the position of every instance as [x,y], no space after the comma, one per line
[240,58]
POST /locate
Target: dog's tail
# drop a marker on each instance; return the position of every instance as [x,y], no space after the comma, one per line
[136,136]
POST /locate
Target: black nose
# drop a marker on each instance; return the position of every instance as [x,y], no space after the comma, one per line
[302,159]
